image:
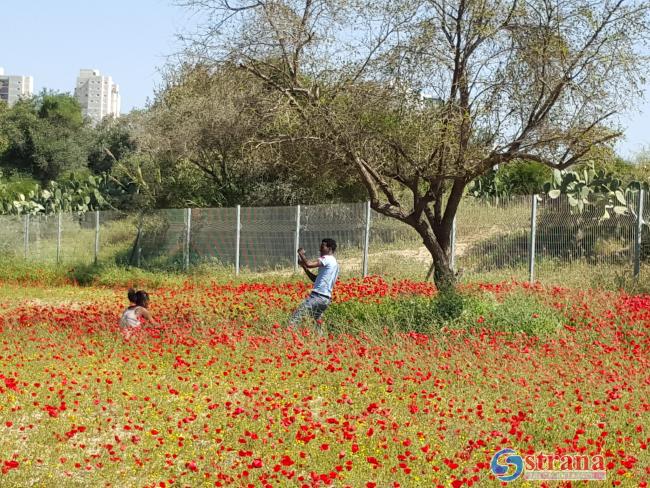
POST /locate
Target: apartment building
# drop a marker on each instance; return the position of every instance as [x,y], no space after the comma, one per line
[97,94]
[15,87]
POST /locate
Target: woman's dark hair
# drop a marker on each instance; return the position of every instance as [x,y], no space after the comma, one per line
[141,298]
[331,243]
[131,294]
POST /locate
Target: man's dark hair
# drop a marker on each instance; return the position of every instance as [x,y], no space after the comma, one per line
[331,243]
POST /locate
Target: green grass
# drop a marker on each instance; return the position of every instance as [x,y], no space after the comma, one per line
[518,312]
[391,267]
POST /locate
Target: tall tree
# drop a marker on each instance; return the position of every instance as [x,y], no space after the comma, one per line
[4,136]
[112,140]
[61,109]
[202,120]
[226,139]
[47,136]
[422,96]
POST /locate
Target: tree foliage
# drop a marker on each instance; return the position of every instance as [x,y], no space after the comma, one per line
[113,141]
[44,136]
[223,138]
[420,97]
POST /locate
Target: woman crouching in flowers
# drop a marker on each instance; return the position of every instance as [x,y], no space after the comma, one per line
[137,312]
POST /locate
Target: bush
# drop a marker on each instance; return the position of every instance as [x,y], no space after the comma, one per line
[516,313]
[448,306]
[397,315]
[84,274]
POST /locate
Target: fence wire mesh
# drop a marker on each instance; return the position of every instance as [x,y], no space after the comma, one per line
[491,238]
[12,237]
[644,248]
[159,239]
[267,238]
[345,223]
[568,239]
[213,236]
[117,237]
[77,237]
[395,248]
[39,234]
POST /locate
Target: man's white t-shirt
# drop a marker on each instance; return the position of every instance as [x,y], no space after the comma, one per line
[328,271]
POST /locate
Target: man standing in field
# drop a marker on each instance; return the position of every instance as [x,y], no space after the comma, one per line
[321,295]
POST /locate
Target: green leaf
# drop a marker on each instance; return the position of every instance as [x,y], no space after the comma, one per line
[620,210]
[554,193]
[620,197]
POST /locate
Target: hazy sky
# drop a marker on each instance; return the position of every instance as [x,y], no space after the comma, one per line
[129,40]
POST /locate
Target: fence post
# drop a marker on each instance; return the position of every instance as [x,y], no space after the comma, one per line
[138,248]
[296,242]
[366,240]
[137,251]
[452,246]
[186,244]
[533,232]
[237,239]
[59,224]
[26,235]
[637,237]
[96,236]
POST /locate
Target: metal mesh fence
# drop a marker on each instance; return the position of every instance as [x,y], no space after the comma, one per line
[213,236]
[12,237]
[159,239]
[41,232]
[77,238]
[491,237]
[395,248]
[644,248]
[117,237]
[344,223]
[267,238]
[566,238]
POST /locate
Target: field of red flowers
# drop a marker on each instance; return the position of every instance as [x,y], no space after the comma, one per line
[224,395]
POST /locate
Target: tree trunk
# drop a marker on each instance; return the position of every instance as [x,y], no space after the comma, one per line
[443,275]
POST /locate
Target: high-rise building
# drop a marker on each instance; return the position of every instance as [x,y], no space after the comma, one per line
[98,95]
[15,87]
